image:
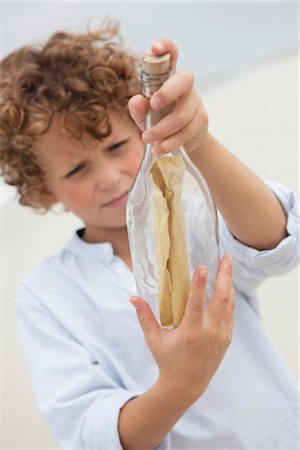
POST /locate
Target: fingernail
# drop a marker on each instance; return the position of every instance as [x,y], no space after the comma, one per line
[229,260]
[202,271]
[155,150]
[155,102]
[135,305]
[131,102]
[200,275]
[147,137]
[159,45]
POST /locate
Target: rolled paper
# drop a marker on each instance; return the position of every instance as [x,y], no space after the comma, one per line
[170,239]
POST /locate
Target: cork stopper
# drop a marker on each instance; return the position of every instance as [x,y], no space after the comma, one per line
[156,65]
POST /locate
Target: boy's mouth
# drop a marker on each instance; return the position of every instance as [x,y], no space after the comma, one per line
[118,201]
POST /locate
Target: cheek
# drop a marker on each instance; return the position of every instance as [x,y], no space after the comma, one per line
[135,158]
[78,197]
[135,167]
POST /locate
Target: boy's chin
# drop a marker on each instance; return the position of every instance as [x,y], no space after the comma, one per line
[119,221]
[121,224]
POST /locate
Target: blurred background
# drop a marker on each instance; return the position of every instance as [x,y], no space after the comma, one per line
[245,59]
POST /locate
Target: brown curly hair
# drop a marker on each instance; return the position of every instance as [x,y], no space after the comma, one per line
[80,76]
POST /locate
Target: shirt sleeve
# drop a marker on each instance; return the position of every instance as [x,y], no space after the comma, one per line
[79,400]
[252,266]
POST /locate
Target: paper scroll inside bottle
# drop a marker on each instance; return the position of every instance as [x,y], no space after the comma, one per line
[170,238]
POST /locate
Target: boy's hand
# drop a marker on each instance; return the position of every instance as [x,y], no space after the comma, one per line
[187,124]
[188,356]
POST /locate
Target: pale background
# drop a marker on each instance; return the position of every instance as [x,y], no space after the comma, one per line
[245,59]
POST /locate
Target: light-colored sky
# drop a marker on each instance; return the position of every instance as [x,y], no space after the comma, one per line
[215,38]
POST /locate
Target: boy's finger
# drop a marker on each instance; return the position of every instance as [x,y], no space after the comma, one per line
[138,108]
[223,286]
[147,320]
[196,300]
[162,46]
[227,314]
[177,86]
[173,142]
[176,121]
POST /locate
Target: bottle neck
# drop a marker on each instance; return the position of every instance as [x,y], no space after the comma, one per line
[150,84]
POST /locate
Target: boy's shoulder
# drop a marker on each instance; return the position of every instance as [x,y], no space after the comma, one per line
[50,264]
[71,265]
[55,277]
[78,275]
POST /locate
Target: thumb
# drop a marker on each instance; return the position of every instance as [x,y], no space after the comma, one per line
[138,108]
[147,320]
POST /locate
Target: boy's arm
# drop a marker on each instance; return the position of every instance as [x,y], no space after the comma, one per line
[187,359]
[249,207]
[252,266]
[146,420]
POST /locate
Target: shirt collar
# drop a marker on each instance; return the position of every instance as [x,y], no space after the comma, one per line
[99,251]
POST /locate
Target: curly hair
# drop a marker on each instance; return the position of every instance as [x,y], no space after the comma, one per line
[80,76]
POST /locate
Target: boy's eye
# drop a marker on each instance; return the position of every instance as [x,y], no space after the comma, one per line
[75,170]
[116,146]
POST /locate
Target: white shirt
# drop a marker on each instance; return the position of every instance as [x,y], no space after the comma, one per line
[87,356]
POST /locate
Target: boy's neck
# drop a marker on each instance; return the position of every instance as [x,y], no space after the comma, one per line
[118,237]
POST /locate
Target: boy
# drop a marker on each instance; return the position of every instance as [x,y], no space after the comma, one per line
[67,137]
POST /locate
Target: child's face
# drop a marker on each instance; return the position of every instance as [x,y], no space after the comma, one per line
[93,183]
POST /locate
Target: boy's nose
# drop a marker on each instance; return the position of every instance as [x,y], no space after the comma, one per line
[107,179]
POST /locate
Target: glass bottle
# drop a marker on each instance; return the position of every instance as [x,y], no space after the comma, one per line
[171,217]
